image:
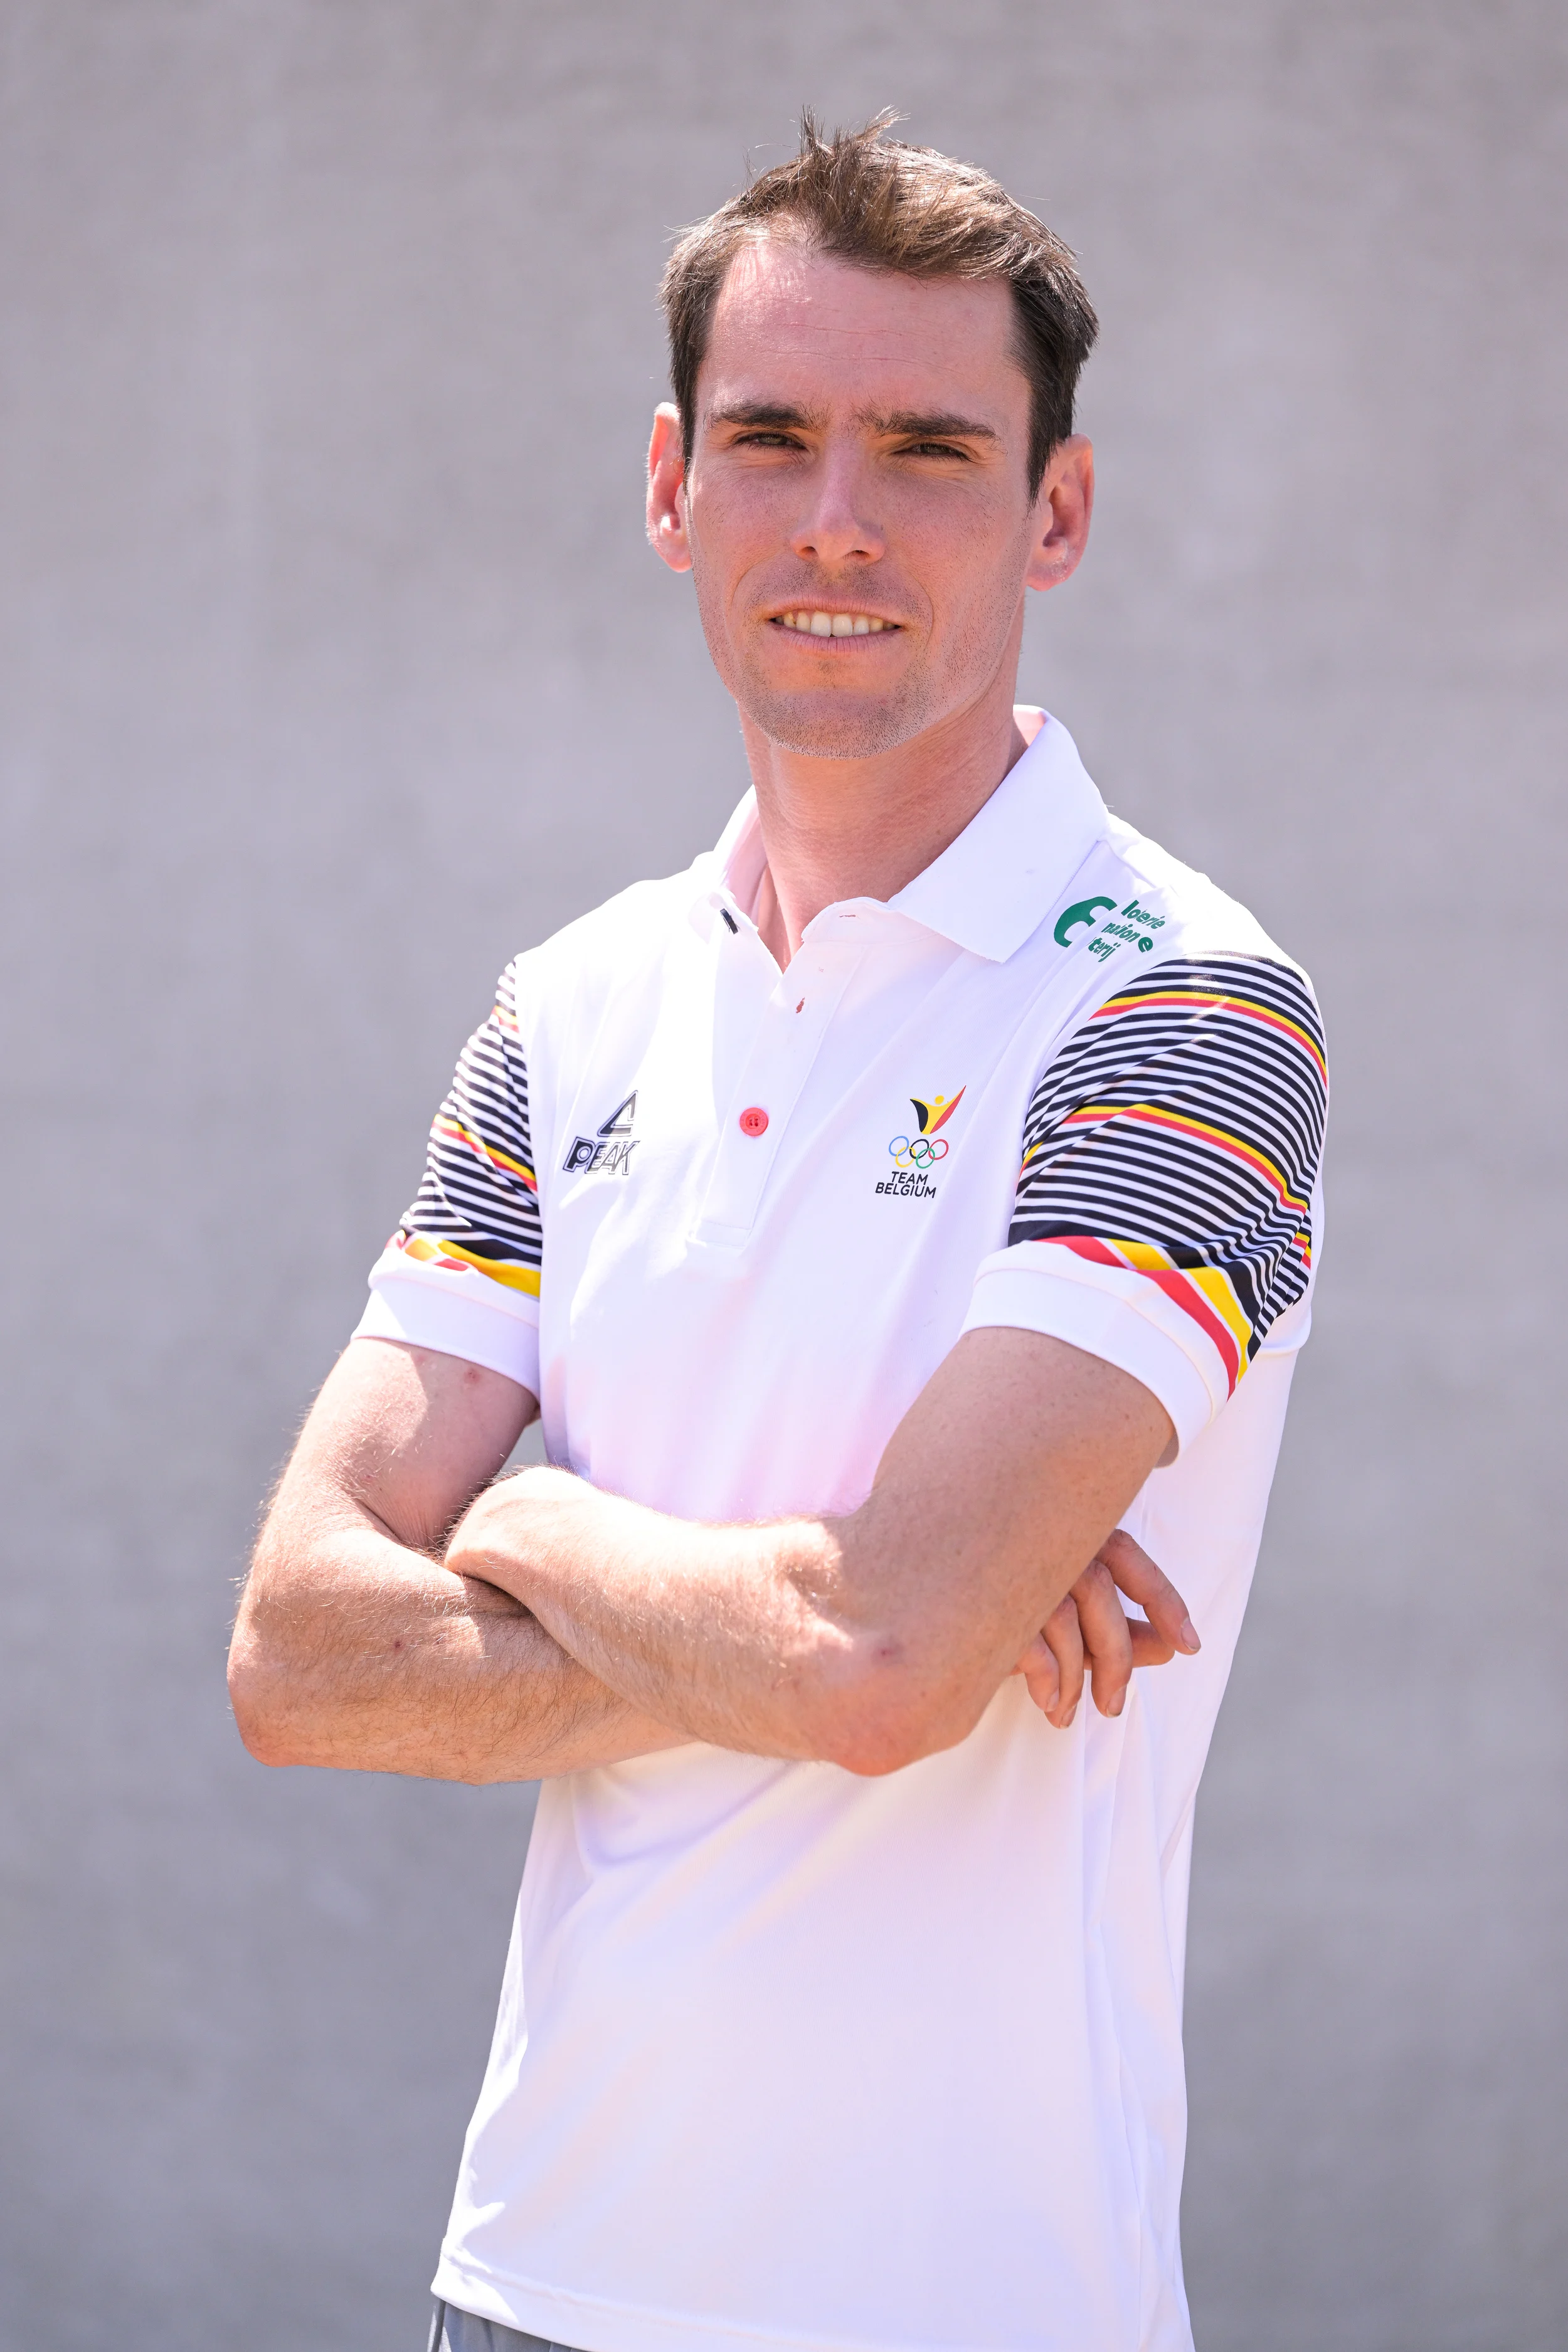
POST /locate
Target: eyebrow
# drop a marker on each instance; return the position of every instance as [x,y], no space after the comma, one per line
[780,413]
[940,424]
[904,424]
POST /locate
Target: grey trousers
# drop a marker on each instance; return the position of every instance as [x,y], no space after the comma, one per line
[452,2330]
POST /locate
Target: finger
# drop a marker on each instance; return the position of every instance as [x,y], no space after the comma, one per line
[1150,1647]
[1041,1674]
[1151,1588]
[1107,1637]
[1062,1637]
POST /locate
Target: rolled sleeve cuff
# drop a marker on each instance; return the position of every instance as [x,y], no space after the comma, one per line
[1108,1311]
[462,1315]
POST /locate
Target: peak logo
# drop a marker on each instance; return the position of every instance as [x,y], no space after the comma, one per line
[610,1150]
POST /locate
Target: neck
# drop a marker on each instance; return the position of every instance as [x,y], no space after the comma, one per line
[835,829]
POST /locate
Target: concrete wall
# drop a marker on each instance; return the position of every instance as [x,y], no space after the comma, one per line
[334,670]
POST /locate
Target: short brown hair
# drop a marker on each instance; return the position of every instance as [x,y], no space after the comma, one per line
[883,205]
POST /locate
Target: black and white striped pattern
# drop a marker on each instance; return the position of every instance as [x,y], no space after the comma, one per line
[478,1190]
[1187,1114]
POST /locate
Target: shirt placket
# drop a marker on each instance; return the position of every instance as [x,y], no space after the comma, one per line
[789,1035]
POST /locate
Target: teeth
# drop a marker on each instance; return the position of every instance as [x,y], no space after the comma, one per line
[834,625]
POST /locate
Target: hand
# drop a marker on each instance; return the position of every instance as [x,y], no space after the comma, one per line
[1091,1629]
[492,1542]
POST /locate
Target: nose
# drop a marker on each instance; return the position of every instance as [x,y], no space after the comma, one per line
[834,525]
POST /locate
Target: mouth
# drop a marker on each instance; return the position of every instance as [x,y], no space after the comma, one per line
[812,622]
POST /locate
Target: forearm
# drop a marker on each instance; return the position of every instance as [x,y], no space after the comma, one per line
[783,1639]
[712,1627]
[869,1639]
[359,1654]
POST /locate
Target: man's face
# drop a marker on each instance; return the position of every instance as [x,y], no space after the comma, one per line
[858,511]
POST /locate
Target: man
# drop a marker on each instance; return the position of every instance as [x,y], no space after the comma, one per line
[911,1204]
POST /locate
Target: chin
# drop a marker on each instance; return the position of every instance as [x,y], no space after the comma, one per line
[835,726]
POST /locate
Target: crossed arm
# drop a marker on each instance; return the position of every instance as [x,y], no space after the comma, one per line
[406,1614]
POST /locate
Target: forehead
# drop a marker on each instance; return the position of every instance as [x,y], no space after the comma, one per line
[821,334]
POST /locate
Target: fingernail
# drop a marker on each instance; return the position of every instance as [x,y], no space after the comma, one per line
[1190,1640]
[1117,1704]
[1067,1719]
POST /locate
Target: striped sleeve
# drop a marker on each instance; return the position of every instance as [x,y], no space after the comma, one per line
[461,1272]
[1164,1211]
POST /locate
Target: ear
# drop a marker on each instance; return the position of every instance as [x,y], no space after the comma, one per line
[667,489]
[1062,510]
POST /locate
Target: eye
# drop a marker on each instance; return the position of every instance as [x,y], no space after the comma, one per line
[934,449]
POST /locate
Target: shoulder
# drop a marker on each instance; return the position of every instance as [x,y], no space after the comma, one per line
[1180,910]
[1143,924]
[610,945]
[1178,986]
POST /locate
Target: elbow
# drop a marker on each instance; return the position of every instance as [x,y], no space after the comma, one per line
[872,1752]
[259,1677]
[257,1693]
[883,1716]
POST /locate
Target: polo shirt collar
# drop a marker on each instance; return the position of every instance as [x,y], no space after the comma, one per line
[991,889]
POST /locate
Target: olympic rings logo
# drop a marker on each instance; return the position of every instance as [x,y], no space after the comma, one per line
[917,1151]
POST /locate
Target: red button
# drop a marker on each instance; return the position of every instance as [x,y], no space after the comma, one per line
[754,1121]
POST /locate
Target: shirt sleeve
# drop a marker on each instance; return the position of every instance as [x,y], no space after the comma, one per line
[1163,1217]
[461,1274]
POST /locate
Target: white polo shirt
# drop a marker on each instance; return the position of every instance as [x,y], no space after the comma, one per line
[787,2057]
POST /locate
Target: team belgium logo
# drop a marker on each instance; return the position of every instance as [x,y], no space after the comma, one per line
[913,1156]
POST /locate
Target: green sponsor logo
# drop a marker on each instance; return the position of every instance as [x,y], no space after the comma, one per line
[1073,918]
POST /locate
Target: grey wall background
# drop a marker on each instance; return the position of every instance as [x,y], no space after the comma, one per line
[334,670]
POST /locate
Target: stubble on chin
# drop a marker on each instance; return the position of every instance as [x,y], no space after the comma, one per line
[828,725]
